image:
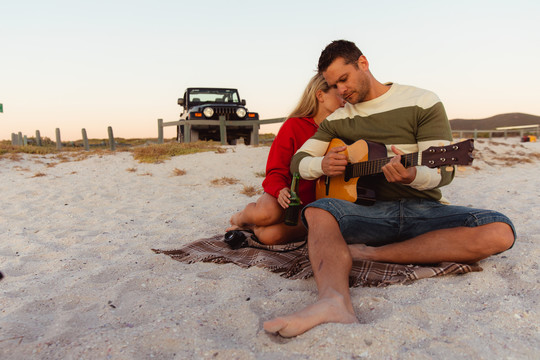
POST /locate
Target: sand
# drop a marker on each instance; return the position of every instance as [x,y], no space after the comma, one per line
[81,281]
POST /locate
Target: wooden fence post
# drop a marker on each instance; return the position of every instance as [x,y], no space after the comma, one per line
[187,132]
[58,139]
[160,131]
[255,135]
[222,130]
[85,140]
[222,123]
[25,140]
[38,138]
[14,139]
[112,144]
[19,139]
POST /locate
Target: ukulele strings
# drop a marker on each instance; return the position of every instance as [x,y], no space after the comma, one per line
[375,166]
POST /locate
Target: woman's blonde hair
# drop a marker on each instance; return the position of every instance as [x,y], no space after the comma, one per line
[308,106]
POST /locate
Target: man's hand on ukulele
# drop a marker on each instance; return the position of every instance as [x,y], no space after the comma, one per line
[334,163]
[394,171]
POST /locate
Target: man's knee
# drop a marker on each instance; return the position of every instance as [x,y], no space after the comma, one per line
[495,238]
[314,214]
[505,237]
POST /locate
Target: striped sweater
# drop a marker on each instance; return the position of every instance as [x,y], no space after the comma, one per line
[410,118]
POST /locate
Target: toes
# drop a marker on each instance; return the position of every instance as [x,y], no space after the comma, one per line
[274,326]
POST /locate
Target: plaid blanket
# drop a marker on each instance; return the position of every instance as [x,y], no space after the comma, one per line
[291,260]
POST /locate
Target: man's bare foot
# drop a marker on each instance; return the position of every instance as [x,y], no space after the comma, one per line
[361,252]
[328,310]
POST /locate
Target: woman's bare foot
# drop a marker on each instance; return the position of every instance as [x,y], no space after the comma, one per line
[234,227]
[236,220]
[327,310]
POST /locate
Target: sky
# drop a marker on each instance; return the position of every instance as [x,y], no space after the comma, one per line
[73,64]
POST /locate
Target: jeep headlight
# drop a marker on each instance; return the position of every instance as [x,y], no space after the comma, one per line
[208,112]
[241,112]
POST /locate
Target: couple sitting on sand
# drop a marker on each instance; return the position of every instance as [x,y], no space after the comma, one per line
[410,222]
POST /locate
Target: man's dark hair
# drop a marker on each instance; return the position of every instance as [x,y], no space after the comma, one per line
[339,49]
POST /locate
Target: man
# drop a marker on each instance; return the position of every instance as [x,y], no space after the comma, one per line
[408,223]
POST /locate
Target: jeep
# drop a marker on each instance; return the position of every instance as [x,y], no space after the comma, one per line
[210,104]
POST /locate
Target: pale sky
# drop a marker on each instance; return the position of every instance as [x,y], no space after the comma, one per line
[72,64]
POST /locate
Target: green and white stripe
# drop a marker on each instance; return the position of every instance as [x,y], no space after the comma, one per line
[410,118]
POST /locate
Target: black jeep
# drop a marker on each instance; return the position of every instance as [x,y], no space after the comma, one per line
[210,104]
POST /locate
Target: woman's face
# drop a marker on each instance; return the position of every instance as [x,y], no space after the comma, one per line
[330,101]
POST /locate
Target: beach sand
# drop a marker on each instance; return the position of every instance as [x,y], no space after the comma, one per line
[81,281]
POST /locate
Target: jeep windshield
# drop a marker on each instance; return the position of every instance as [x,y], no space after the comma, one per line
[213,96]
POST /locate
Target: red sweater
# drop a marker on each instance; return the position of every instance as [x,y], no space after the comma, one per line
[291,136]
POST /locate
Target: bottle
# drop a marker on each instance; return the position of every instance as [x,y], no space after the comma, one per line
[292,212]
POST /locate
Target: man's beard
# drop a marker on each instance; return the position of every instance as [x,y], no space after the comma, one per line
[360,94]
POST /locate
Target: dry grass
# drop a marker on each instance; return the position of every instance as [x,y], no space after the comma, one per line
[251,191]
[39,174]
[20,168]
[221,150]
[66,154]
[260,174]
[131,170]
[224,181]
[512,160]
[178,172]
[29,149]
[160,152]
[11,156]
[152,153]
[266,139]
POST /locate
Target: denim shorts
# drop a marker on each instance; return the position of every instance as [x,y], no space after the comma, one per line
[388,222]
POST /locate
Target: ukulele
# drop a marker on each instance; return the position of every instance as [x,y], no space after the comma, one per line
[368,158]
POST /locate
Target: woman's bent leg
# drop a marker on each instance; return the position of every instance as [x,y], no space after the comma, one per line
[280,233]
[266,211]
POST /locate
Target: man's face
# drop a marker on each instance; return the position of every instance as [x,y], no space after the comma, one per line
[351,82]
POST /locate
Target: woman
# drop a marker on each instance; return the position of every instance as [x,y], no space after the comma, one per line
[265,217]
